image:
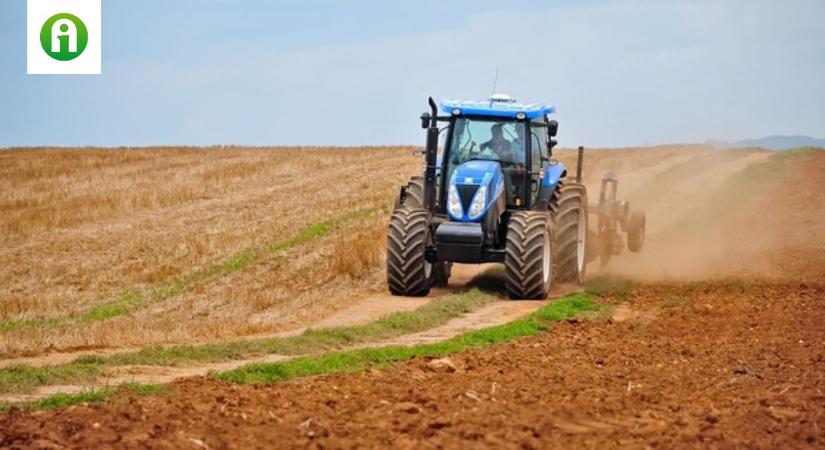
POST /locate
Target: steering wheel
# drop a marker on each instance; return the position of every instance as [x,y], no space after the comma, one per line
[512,165]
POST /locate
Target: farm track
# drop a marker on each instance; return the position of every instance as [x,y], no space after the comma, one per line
[370,309]
[752,377]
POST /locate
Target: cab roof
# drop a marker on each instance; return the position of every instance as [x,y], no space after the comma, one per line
[498,105]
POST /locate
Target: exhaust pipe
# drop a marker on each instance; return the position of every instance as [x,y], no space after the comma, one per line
[579,164]
[430,157]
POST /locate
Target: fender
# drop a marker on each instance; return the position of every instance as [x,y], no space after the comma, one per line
[553,174]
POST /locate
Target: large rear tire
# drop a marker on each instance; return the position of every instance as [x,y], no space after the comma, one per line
[571,234]
[408,272]
[529,255]
[636,231]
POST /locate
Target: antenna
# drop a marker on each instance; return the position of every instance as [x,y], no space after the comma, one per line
[495,81]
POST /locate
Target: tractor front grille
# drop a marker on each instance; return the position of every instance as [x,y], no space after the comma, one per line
[466,192]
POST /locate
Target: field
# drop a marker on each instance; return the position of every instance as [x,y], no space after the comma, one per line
[164,297]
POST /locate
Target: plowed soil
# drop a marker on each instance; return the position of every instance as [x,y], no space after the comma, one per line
[699,365]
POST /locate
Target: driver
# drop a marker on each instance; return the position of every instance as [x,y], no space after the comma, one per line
[517,147]
[498,144]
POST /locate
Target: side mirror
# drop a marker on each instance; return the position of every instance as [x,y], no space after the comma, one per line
[552,128]
[425,120]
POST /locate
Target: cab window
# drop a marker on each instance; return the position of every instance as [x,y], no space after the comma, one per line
[538,144]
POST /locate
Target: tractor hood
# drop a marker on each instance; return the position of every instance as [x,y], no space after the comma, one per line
[474,186]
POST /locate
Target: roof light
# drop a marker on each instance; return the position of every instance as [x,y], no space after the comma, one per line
[520,115]
[456,111]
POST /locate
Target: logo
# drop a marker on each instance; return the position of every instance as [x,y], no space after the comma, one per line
[63,37]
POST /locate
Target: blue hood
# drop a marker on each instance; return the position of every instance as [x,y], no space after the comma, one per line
[467,179]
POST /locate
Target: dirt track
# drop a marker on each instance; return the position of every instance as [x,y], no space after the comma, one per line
[702,365]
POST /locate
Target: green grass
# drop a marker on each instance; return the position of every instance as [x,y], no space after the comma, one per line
[91,396]
[23,378]
[358,360]
[312,232]
[136,298]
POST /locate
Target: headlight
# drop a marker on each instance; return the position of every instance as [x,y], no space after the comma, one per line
[454,203]
[478,204]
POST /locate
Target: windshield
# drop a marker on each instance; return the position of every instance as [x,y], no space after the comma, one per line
[487,139]
[494,140]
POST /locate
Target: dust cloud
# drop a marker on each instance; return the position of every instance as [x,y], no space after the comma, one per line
[715,214]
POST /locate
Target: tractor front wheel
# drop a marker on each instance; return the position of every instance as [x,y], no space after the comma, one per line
[408,272]
[529,255]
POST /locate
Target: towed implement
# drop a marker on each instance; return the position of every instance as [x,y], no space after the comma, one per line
[496,194]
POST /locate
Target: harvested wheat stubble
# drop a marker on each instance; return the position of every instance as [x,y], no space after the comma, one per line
[59,267]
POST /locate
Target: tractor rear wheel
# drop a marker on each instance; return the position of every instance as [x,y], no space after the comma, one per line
[571,234]
[528,259]
[408,272]
[636,231]
[413,194]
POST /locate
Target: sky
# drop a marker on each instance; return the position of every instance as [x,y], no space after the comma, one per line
[312,72]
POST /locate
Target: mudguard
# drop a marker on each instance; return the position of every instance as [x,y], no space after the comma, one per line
[553,173]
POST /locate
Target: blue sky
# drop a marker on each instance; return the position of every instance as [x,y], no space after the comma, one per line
[204,72]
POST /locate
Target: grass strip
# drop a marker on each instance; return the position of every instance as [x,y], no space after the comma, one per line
[359,360]
[136,298]
[91,396]
[23,377]
[355,360]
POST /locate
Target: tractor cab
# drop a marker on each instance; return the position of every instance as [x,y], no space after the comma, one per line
[506,141]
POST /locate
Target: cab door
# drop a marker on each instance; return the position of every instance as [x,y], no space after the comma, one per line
[538,157]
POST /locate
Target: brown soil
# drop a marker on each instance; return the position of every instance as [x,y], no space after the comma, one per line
[714,365]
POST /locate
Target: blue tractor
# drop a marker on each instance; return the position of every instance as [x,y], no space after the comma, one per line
[495,194]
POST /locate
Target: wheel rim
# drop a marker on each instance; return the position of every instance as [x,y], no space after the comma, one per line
[545,268]
[581,245]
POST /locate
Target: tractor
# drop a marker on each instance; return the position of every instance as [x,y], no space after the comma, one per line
[496,194]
